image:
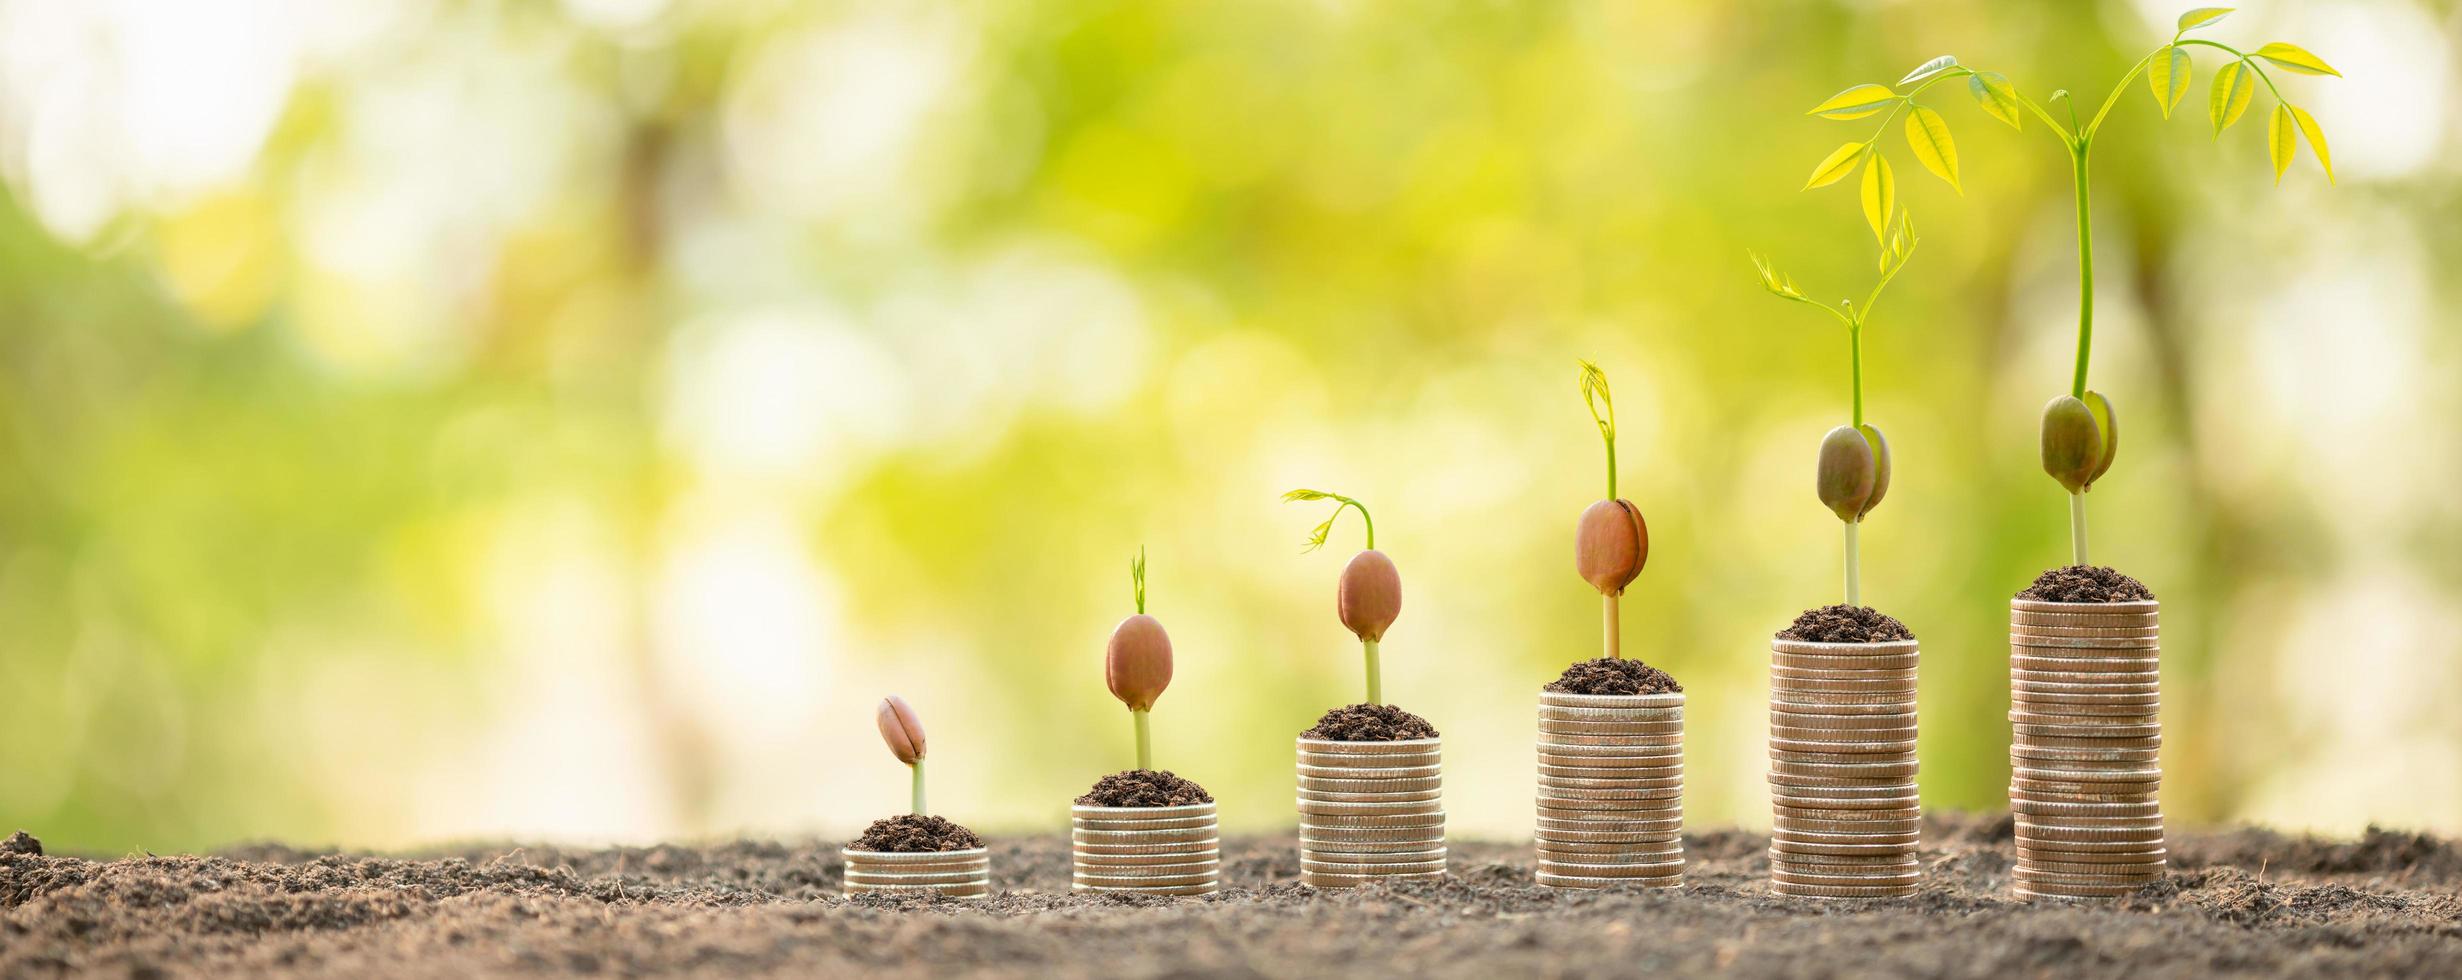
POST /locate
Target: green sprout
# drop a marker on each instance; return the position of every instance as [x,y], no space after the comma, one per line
[1137,662]
[2080,435]
[1369,596]
[1853,472]
[1612,542]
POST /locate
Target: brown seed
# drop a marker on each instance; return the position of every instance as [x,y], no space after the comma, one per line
[1137,662]
[1369,596]
[1611,546]
[901,730]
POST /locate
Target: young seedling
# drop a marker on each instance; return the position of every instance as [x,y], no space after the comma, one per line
[1613,542]
[2080,433]
[1369,596]
[904,734]
[1137,662]
[1853,472]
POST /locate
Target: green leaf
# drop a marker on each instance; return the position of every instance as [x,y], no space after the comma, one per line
[2200,17]
[1997,96]
[1929,69]
[2229,98]
[2316,140]
[2169,74]
[2295,58]
[1855,103]
[1928,134]
[1837,165]
[2282,140]
[1880,197]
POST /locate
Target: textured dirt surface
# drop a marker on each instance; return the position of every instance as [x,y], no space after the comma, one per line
[1370,723]
[1145,787]
[2086,583]
[2242,903]
[907,833]
[1846,624]
[1604,676]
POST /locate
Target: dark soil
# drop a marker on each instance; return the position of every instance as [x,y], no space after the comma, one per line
[1370,723]
[1605,676]
[2086,583]
[1846,624]
[21,843]
[2238,902]
[1144,787]
[908,833]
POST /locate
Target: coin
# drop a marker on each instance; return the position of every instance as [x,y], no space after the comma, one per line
[1315,880]
[2120,679]
[1107,880]
[1833,891]
[1322,785]
[1609,756]
[2144,712]
[2107,661]
[1790,699]
[2054,629]
[1654,743]
[1784,645]
[1795,689]
[1314,865]
[1806,804]
[1551,712]
[1899,712]
[1609,850]
[1567,699]
[1866,770]
[1207,853]
[2028,851]
[1552,880]
[1843,746]
[1398,808]
[1659,727]
[2145,869]
[1547,770]
[1828,672]
[1207,888]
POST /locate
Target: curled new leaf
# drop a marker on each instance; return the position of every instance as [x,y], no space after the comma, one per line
[2072,445]
[901,729]
[1928,135]
[1880,468]
[2200,17]
[2292,57]
[1837,165]
[1369,596]
[1929,69]
[1611,546]
[1846,473]
[2233,87]
[2316,140]
[1992,90]
[2282,140]
[1880,197]
[1855,103]
[2169,74]
[1137,662]
[2110,424]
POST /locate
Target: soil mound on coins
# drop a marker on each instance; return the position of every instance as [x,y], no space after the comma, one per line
[1846,624]
[21,843]
[910,833]
[1370,723]
[1605,676]
[1144,787]
[2086,583]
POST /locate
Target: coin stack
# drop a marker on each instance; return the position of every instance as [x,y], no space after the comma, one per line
[1370,810]
[2085,733]
[1153,850]
[953,874]
[1611,790]
[1842,769]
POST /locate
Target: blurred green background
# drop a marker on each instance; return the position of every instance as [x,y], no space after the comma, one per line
[427,421]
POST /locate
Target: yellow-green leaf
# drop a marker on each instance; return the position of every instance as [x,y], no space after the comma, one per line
[1928,134]
[1993,91]
[2169,75]
[1855,103]
[2229,98]
[1837,165]
[2316,140]
[1880,197]
[2200,17]
[2282,141]
[1929,69]
[2295,58]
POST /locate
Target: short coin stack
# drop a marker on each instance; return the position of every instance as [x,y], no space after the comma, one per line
[1370,810]
[1611,790]
[1152,850]
[1842,769]
[953,874]
[2085,734]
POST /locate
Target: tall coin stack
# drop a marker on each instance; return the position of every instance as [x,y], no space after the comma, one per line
[2085,734]
[952,874]
[1842,769]
[1611,790]
[1152,850]
[1370,810]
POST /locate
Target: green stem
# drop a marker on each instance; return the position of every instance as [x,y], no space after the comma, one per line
[2114,98]
[1611,471]
[1613,621]
[1376,674]
[1854,573]
[918,776]
[1145,740]
[1855,344]
[2077,526]
[2085,271]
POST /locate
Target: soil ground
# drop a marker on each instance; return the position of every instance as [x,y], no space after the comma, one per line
[2238,902]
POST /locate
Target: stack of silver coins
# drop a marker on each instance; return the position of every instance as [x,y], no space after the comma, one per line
[1370,810]
[1611,790]
[1845,815]
[1152,850]
[954,874]
[2085,736]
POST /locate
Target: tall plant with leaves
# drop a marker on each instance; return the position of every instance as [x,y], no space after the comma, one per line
[1853,471]
[2080,431]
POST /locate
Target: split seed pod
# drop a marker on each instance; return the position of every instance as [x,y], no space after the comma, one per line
[1880,468]
[1137,663]
[2072,443]
[1611,545]
[900,728]
[1369,596]
[1847,473]
[2102,408]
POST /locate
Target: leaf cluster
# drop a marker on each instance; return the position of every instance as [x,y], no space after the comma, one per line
[1317,536]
